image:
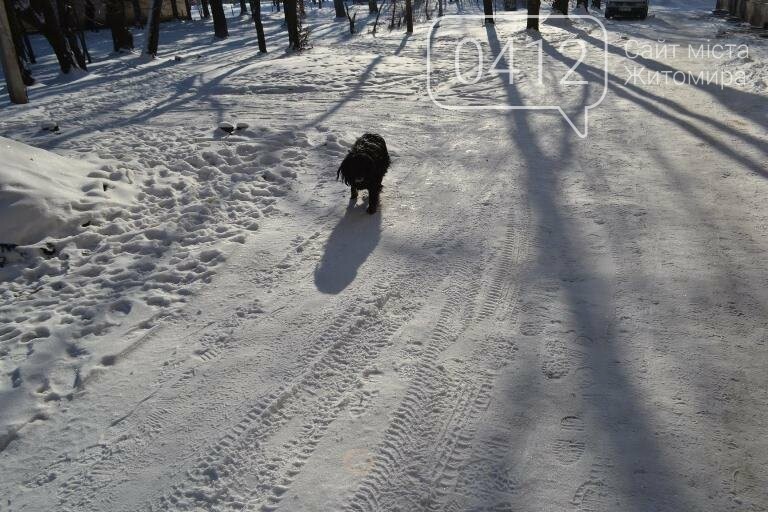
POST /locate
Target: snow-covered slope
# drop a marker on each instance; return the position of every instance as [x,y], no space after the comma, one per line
[45,196]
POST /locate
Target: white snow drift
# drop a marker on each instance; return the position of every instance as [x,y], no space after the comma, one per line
[44,195]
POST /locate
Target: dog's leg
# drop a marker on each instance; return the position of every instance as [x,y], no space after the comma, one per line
[373,200]
[353,196]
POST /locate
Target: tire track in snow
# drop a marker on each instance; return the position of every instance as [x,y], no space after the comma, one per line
[83,487]
[250,467]
[403,437]
[430,439]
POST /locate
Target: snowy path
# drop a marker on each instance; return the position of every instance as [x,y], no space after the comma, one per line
[532,321]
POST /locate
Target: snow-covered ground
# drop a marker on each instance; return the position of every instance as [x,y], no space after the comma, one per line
[533,321]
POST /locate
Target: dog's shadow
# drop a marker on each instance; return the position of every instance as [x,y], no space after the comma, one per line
[353,239]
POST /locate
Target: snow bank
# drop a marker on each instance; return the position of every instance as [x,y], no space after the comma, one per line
[43,195]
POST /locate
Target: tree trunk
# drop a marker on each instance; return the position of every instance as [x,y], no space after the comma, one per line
[10,61]
[21,42]
[596,4]
[256,12]
[488,11]
[188,7]
[561,6]
[439,8]
[138,20]
[409,16]
[339,6]
[372,7]
[351,20]
[534,7]
[90,16]
[174,9]
[115,19]
[584,3]
[41,15]
[206,10]
[376,23]
[243,8]
[510,5]
[153,28]
[292,24]
[219,19]
[68,23]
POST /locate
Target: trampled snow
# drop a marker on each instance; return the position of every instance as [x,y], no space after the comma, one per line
[198,318]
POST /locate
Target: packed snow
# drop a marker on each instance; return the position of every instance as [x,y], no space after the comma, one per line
[193,316]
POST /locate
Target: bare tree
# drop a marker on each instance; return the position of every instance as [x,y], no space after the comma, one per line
[409,16]
[372,7]
[21,43]
[376,23]
[206,9]
[488,11]
[293,24]
[138,21]
[43,17]
[243,8]
[534,7]
[351,19]
[340,10]
[561,6]
[256,13]
[219,19]
[116,21]
[153,28]
[90,16]
[17,91]
[70,27]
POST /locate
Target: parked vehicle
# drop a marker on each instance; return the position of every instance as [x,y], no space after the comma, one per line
[637,8]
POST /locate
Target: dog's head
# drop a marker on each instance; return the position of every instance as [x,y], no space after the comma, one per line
[356,169]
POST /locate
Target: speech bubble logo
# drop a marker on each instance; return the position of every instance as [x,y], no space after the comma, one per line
[565,70]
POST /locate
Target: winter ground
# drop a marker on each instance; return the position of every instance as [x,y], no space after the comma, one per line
[531,322]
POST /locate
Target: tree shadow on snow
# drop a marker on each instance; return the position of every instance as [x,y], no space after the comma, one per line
[625,434]
[351,242]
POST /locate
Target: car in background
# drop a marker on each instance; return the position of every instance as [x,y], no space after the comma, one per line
[636,8]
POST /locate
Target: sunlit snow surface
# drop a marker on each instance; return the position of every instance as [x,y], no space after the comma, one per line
[532,321]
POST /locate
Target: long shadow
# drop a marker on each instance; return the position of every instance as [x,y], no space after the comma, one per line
[403,43]
[650,102]
[735,100]
[351,242]
[615,403]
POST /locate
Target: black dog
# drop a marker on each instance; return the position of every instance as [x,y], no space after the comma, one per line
[365,166]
